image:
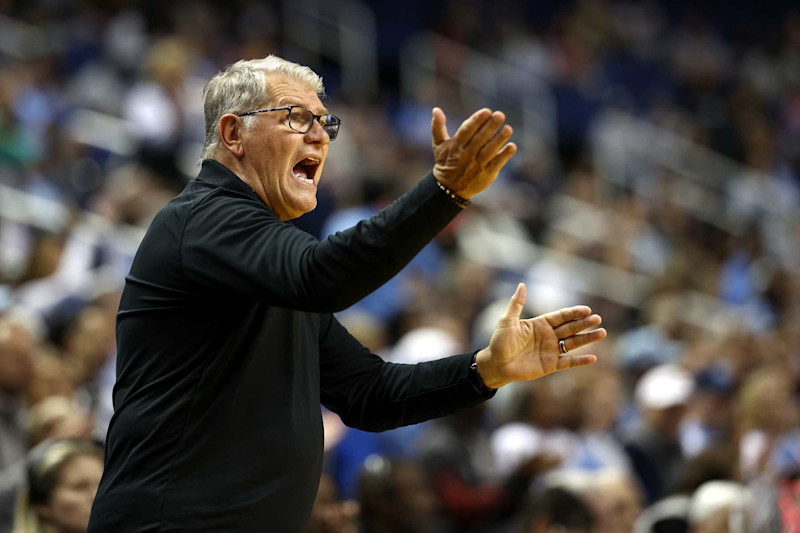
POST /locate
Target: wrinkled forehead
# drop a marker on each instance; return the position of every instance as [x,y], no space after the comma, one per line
[284,90]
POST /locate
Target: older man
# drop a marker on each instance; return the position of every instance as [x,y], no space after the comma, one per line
[226,341]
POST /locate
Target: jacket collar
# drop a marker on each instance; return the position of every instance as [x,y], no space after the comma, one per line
[216,173]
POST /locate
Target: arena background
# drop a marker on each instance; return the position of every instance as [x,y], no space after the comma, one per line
[657,180]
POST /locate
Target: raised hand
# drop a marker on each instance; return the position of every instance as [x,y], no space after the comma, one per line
[522,350]
[469,161]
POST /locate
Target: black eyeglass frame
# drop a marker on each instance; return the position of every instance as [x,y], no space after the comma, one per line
[333,120]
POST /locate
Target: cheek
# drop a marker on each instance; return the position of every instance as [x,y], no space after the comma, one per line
[275,162]
[70,508]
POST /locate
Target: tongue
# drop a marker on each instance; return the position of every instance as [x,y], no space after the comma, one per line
[300,172]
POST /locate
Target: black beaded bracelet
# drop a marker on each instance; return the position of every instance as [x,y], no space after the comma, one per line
[456,199]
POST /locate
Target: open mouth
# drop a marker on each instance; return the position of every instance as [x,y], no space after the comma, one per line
[306,170]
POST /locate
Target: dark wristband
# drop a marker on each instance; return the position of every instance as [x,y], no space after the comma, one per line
[475,377]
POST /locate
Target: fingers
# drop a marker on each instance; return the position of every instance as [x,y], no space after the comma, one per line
[489,147]
[470,127]
[486,132]
[501,158]
[582,339]
[572,361]
[556,318]
[439,127]
[515,305]
[576,326]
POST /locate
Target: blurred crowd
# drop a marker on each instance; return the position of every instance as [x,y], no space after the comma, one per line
[690,420]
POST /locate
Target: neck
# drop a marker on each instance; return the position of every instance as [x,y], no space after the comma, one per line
[242,171]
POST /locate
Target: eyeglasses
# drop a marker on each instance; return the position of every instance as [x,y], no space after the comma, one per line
[301,119]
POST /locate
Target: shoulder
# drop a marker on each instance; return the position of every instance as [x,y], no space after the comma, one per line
[216,205]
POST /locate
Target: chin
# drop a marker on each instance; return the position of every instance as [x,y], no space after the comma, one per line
[301,208]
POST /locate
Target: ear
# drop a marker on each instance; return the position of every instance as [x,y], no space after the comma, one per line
[230,129]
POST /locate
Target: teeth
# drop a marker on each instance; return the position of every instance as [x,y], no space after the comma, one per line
[310,163]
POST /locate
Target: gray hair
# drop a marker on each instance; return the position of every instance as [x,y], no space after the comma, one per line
[242,87]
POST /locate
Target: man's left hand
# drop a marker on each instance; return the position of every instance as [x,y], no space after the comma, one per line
[522,350]
[469,161]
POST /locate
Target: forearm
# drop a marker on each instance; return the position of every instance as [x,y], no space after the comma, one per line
[351,264]
[397,395]
[371,394]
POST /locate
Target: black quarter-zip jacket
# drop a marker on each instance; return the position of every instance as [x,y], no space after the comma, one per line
[227,347]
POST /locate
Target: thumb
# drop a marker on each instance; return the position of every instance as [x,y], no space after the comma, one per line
[439,127]
[515,305]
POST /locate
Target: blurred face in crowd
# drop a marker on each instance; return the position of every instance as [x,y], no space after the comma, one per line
[552,403]
[282,165]
[90,342]
[71,500]
[766,402]
[58,417]
[601,402]
[51,378]
[666,422]
[617,503]
[16,359]
[713,409]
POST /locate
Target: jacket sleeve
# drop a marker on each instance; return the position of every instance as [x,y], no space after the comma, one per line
[235,244]
[371,394]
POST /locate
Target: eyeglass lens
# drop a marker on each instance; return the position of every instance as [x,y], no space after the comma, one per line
[301,119]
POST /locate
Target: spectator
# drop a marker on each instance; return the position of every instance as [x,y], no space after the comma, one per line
[54,417]
[88,346]
[719,506]
[551,410]
[51,378]
[766,412]
[662,394]
[617,500]
[58,417]
[556,509]
[710,417]
[63,476]
[685,230]
[457,452]
[16,372]
[600,404]
[396,496]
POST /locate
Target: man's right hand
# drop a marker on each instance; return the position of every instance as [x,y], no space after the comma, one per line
[524,350]
[469,161]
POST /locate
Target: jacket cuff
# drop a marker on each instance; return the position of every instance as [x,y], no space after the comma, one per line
[476,380]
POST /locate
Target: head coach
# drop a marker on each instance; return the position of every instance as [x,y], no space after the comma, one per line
[227,344]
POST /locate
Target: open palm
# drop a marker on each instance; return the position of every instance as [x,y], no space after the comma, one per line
[522,350]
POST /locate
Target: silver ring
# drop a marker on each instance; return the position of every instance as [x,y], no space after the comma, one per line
[562,346]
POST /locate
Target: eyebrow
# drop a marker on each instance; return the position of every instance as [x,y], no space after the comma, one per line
[287,102]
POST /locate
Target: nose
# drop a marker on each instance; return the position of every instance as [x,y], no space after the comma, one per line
[317,134]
